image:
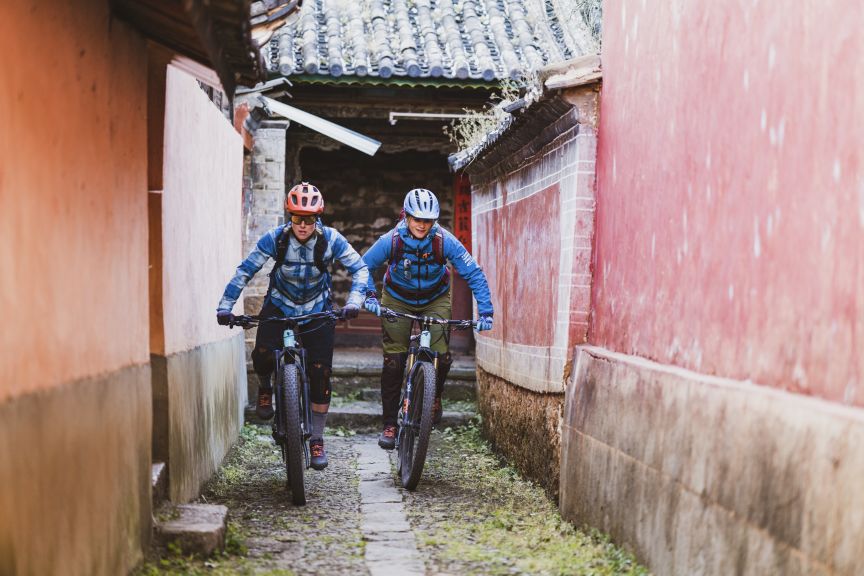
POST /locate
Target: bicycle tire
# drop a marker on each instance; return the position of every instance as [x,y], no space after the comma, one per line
[414,437]
[292,448]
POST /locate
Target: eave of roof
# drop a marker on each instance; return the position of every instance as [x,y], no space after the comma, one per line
[215,33]
[401,81]
[533,125]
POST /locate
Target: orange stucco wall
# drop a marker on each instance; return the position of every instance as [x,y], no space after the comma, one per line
[201,214]
[730,215]
[73,222]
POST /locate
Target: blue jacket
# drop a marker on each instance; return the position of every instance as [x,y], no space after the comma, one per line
[299,287]
[417,274]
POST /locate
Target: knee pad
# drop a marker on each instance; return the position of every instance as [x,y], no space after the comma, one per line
[263,362]
[319,383]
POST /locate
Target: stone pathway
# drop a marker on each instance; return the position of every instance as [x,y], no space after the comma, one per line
[391,547]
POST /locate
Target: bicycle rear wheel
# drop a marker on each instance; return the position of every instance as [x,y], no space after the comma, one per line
[416,424]
[292,446]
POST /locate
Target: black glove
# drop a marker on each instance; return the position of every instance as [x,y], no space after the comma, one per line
[224,318]
[350,311]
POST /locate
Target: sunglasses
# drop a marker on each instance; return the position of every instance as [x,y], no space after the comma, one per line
[297,219]
[423,220]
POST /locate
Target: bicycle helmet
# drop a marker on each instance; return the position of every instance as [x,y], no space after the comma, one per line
[421,203]
[304,199]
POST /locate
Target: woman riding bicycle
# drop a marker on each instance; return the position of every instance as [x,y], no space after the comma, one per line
[299,284]
[417,281]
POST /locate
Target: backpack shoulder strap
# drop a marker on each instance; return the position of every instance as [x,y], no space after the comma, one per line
[396,247]
[281,249]
[438,248]
[319,250]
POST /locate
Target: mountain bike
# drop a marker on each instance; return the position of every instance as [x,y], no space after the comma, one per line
[414,420]
[293,409]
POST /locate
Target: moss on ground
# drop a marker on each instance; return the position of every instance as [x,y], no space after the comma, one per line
[267,535]
[475,515]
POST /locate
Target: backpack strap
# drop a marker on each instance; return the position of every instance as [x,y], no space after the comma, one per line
[319,250]
[281,250]
[396,247]
[438,248]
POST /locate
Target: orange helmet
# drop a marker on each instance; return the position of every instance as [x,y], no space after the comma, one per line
[304,199]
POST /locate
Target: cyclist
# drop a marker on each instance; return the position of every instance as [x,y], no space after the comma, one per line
[299,284]
[417,281]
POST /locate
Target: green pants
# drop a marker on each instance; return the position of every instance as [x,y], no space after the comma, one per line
[398,333]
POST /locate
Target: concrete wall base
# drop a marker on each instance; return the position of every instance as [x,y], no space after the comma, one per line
[198,400]
[75,476]
[701,475]
[524,426]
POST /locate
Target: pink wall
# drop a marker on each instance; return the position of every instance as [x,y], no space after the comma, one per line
[73,222]
[511,235]
[201,214]
[532,231]
[730,214]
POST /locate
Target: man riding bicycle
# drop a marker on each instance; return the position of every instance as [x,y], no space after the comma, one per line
[417,281]
[299,284]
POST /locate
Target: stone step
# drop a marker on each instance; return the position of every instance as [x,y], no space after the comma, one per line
[365,416]
[159,483]
[197,529]
[371,390]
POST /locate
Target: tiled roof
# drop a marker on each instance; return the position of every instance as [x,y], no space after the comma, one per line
[462,39]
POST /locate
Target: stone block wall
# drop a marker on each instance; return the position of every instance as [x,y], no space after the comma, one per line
[363,196]
[263,208]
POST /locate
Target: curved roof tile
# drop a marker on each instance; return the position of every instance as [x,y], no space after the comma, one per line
[462,39]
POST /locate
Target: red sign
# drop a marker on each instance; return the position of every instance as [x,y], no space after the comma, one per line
[462,210]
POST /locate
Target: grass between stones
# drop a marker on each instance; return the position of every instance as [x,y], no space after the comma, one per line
[266,534]
[475,515]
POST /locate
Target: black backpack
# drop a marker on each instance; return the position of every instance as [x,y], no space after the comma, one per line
[317,252]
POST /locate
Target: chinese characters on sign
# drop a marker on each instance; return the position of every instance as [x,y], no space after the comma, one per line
[462,210]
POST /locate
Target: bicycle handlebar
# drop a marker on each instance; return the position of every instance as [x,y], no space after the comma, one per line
[252,321]
[392,315]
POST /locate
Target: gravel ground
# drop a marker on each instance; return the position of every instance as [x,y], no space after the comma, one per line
[470,515]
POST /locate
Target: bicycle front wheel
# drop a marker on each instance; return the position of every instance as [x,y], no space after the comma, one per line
[292,447]
[415,421]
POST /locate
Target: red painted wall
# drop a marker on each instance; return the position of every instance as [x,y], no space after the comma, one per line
[509,245]
[730,213]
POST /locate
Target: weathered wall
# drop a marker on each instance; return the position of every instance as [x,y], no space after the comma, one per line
[532,228]
[524,426]
[731,170]
[532,235]
[730,220]
[74,374]
[201,207]
[199,380]
[74,217]
[704,475]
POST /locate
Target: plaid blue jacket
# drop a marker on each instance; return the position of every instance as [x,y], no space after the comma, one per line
[298,286]
[418,270]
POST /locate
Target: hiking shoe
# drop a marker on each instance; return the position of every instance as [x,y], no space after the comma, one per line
[319,456]
[437,411]
[264,410]
[387,440]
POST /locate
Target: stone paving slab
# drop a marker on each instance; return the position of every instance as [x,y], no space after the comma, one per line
[390,568]
[196,528]
[391,547]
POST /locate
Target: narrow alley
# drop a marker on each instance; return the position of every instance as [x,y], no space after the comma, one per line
[471,514]
[624,239]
